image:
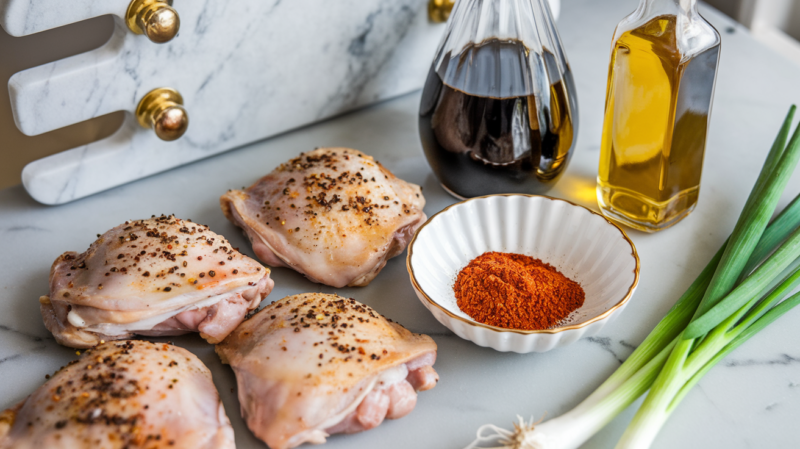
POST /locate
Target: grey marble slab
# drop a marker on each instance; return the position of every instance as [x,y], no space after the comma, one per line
[750,400]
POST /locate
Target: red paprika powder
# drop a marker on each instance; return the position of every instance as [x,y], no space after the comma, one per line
[516,292]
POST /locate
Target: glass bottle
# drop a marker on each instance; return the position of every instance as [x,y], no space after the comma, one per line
[498,111]
[658,101]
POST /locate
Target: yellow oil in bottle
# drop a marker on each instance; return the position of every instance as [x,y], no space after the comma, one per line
[654,131]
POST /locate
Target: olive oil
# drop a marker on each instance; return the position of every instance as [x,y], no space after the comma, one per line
[656,121]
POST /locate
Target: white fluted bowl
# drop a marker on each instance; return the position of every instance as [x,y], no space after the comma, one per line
[582,244]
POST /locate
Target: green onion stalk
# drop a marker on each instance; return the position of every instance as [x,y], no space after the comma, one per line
[726,310]
[739,292]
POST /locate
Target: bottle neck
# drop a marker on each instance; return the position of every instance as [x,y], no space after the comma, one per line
[693,34]
[677,7]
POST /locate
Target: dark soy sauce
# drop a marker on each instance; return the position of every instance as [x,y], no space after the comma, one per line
[485,130]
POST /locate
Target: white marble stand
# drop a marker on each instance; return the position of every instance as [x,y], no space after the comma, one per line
[247,70]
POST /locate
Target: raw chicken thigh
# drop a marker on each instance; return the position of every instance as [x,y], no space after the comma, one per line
[161,276]
[314,364]
[334,214]
[127,394]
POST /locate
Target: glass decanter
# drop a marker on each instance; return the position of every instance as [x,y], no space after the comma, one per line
[660,89]
[498,111]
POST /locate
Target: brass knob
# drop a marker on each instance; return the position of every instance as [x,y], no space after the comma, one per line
[154,18]
[162,110]
[439,10]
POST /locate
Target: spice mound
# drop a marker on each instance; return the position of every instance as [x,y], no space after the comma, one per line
[516,292]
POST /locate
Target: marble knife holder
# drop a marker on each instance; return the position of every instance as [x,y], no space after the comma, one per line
[246,69]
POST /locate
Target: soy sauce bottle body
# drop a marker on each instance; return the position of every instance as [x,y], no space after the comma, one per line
[498,111]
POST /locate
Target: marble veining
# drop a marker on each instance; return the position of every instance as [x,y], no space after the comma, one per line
[23,228]
[380,29]
[783,359]
[23,334]
[609,347]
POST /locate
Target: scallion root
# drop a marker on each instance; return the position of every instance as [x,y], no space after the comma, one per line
[519,438]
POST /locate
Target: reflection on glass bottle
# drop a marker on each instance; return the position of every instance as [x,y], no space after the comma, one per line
[496,115]
[660,89]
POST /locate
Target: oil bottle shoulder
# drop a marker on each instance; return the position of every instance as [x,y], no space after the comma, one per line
[690,34]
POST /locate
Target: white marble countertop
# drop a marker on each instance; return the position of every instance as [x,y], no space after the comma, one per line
[750,400]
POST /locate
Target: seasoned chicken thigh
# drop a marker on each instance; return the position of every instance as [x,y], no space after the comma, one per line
[315,364]
[127,394]
[334,214]
[161,276]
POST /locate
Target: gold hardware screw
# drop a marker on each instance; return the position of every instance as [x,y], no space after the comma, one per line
[156,19]
[162,110]
[439,10]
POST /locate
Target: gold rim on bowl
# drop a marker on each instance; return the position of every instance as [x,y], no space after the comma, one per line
[556,330]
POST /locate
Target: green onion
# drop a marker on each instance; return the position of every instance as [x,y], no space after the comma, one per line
[667,356]
[756,282]
[756,214]
[685,368]
[699,344]
[770,240]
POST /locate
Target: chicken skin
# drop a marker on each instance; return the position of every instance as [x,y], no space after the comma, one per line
[334,214]
[315,364]
[126,394]
[161,276]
